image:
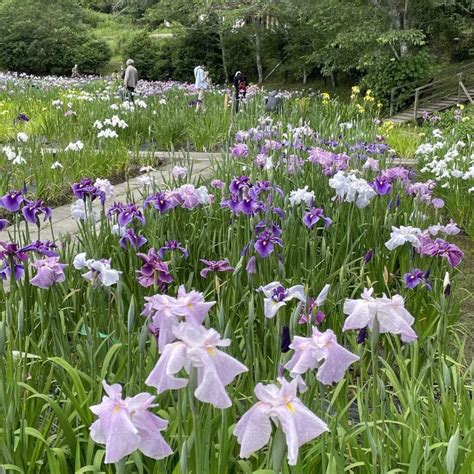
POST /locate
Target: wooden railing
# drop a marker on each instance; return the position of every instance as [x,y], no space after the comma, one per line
[443,88]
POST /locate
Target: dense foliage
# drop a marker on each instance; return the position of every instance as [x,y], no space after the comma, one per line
[39,36]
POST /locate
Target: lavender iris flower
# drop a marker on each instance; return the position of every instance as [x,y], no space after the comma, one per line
[3,224]
[125,425]
[49,272]
[215,266]
[128,213]
[11,261]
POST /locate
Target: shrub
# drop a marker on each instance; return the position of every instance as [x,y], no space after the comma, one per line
[386,74]
[39,36]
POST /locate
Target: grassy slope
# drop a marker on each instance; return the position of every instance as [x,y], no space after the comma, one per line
[116,30]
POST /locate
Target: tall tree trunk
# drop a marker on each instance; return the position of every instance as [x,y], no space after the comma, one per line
[258,53]
[305,75]
[224,61]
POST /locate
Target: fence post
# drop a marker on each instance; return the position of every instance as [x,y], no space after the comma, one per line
[459,86]
[415,107]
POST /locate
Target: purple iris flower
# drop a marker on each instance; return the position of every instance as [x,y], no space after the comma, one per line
[240,150]
[11,261]
[154,271]
[33,209]
[172,246]
[313,216]
[251,266]
[381,185]
[369,255]
[160,202]
[3,224]
[442,248]
[128,213]
[130,237]
[43,247]
[417,276]
[238,183]
[215,266]
[265,243]
[23,118]
[12,201]
[85,189]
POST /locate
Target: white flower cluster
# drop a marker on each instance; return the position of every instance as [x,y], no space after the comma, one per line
[13,156]
[57,103]
[105,186]
[75,146]
[447,164]
[352,189]
[100,271]
[107,133]
[302,195]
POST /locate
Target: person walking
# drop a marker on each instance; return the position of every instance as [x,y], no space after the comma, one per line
[75,71]
[201,84]
[240,84]
[130,78]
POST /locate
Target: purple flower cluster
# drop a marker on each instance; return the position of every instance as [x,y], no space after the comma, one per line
[330,162]
[31,210]
[313,216]
[415,277]
[126,213]
[85,189]
[441,248]
[267,237]
[215,266]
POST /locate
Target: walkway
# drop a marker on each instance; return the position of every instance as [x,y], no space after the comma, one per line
[64,224]
[441,93]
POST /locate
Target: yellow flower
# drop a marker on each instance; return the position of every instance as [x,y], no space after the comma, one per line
[421,134]
[465,119]
[461,106]
[355,89]
[325,96]
[380,105]
[360,109]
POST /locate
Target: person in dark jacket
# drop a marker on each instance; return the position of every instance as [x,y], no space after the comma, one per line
[240,84]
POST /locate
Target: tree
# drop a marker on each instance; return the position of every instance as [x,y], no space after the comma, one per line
[43,36]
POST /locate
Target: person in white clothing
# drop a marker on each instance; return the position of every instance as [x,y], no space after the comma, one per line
[202,84]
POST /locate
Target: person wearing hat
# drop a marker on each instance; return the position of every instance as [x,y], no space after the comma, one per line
[130,78]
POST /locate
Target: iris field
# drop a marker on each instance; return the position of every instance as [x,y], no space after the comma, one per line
[296,312]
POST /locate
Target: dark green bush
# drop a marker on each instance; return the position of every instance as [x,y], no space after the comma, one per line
[47,36]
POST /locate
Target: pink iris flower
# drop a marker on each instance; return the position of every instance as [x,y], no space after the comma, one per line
[320,351]
[390,313]
[125,425]
[276,296]
[284,408]
[166,312]
[197,348]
